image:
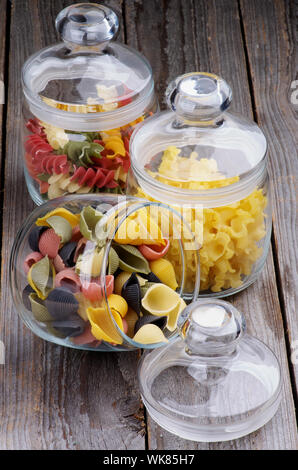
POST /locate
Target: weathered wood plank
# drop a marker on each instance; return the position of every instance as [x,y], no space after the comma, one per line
[273,55]
[3,59]
[53,397]
[177,37]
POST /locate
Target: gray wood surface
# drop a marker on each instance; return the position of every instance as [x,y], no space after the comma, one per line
[56,398]
[272,51]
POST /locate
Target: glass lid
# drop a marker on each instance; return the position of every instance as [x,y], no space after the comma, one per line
[87,73]
[215,382]
[197,145]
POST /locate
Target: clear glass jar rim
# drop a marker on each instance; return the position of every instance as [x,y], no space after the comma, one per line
[106,119]
[208,198]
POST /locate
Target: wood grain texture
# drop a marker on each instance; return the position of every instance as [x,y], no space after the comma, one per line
[52,397]
[273,56]
[56,398]
[177,37]
[3,59]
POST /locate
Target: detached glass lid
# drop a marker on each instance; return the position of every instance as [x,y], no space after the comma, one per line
[87,73]
[197,145]
[216,382]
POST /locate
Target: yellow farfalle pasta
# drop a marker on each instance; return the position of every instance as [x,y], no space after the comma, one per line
[229,235]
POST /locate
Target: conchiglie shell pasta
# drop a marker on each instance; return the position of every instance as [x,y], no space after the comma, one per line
[102,326]
[89,264]
[118,304]
[131,319]
[164,270]
[61,226]
[174,315]
[73,219]
[161,300]
[41,277]
[121,280]
[150,334]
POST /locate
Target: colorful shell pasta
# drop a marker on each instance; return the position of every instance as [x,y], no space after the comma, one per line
[92,289]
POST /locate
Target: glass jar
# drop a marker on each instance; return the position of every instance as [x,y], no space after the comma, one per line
[83,98]
[214,383]
[210,165]
[91,272]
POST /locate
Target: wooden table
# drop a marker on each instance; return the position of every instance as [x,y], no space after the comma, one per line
[57,398]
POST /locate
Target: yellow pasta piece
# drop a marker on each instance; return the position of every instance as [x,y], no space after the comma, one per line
[228,234]
[118,304]
[174,315]
[150,334]
[73,219]
[102,326]
[164,270]
[139,228]
[161,300]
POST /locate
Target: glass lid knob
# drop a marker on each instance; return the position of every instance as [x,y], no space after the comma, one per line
[198,96]
[212,328]
[87,24]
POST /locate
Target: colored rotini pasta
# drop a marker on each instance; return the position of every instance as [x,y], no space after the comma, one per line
[92,161]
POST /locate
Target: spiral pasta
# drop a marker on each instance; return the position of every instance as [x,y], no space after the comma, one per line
[98,162]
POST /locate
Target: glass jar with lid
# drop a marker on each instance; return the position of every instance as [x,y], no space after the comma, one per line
[214,383]
[92,272]
[83,98]
[211,165]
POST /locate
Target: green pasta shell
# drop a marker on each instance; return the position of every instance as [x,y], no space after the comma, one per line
[39,311]
[131,260]
[113,261]
[61,226]
[41,277]
[88,220]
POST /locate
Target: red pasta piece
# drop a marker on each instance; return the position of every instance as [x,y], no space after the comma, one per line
[43,186]
[114,163]
[98,177]
[31,259]
[112,184]
[94,291]
[49,243]
[69,279]
[76,234]
[126,143]
[37,146]
[34,127]
[31,168]
[58,264]
[152,252]
[80,248]
[54,164]
[104,177]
